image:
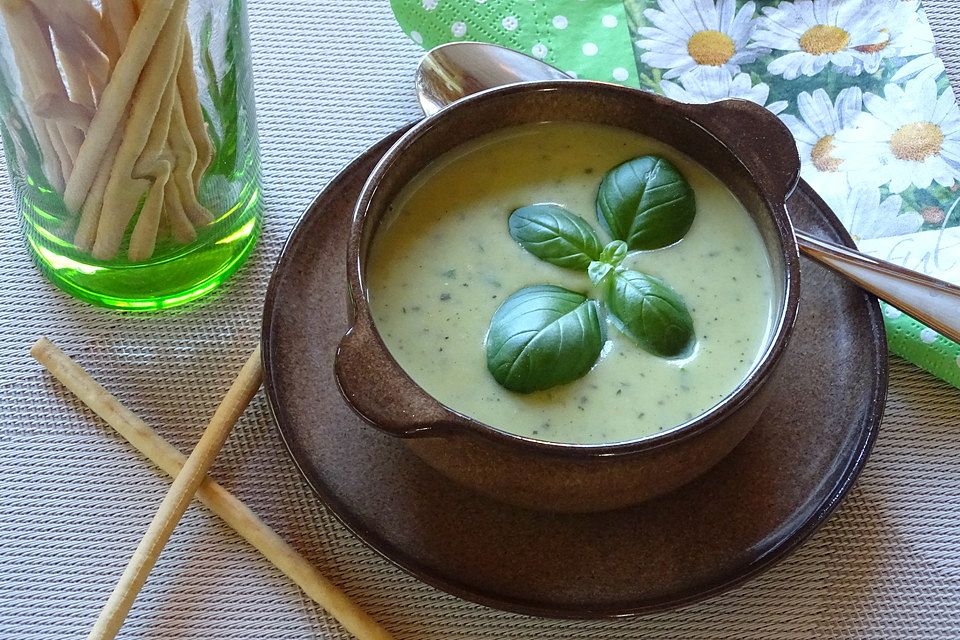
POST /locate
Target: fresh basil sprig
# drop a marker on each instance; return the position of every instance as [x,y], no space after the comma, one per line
[610,258]
[543,336]
[555,235]
[646,203]
[649,312]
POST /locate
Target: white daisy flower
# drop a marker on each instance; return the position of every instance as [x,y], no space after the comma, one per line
[904,23]
[699,35]
[865,216]
[927,65]
[909,136]
[815,131]
[817,33]
[904,30]
[717,84]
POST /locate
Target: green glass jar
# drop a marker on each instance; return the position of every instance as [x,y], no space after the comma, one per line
[130,137]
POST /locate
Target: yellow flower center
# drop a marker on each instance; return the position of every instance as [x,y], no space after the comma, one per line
[824,38]
[822,155]
[916,141]
[711,48]
[878,46]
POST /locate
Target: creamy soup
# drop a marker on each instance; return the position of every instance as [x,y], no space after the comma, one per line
[443,261]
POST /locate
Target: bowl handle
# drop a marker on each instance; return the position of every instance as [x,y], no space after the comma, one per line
[382,393]
[759,138]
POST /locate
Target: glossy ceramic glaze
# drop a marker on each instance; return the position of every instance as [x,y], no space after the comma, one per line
[739,142]
[744,515]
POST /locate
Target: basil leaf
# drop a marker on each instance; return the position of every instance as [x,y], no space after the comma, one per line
[650,313]
[598,271]
[555,235]
[646,203]
[614,253]
[543,336]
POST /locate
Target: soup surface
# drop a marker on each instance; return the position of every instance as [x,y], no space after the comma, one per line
[443,261]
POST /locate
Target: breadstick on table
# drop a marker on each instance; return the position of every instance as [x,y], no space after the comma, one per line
[116,96]
[234,512]
[178,498]
[157,73]
[190,101]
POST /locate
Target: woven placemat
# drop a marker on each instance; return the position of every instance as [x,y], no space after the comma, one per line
[332,77]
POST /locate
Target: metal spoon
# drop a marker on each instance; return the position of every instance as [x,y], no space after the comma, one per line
[452,71]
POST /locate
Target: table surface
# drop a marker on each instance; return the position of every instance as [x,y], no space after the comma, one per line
[331,78]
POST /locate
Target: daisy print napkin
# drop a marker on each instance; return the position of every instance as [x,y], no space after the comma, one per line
[857,82]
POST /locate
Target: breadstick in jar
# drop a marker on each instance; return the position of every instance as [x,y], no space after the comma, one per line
[157,73]
[116,98]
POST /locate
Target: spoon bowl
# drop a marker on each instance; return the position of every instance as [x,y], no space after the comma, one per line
[458,69]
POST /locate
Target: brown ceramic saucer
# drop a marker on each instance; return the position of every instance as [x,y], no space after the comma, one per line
[738,519]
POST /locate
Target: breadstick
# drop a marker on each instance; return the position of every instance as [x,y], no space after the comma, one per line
[163,226]
[80,37]
[155,162]
[180,227]
[156,144]
[117,18]
[220,501]
[186,154]
[49,80]
[157,73]
[116,96]
[143,240]
[62,152]
[77,13]
[19,20]
[178,498]
[190,101]
[53,107]
[51,159]
[93,205]
[86,67]
[14,125]
[81,92]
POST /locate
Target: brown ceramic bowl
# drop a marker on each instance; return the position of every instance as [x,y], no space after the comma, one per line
[739,142]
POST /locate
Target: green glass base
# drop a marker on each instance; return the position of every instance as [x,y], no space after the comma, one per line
[172,280]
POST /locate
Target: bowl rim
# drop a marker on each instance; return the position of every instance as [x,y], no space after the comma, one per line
[782,324]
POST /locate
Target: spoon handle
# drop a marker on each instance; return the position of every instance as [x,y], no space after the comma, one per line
[931,301]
